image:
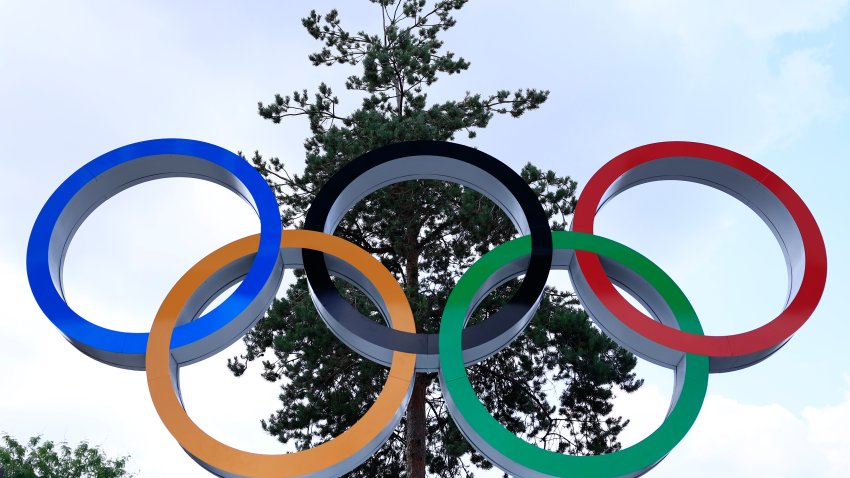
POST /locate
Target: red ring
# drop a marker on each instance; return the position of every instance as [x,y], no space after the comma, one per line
[769,335]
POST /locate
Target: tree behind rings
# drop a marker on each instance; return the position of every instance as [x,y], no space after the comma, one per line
[553,385]
[45,459]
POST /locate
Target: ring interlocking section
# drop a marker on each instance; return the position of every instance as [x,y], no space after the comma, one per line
[182,334]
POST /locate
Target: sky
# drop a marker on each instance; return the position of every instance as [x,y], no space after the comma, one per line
[768,79]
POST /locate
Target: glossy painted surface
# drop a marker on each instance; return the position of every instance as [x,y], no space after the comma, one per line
[183,334]
[114,172]
[332,458]
[520,458]
[429,160]
[765,193]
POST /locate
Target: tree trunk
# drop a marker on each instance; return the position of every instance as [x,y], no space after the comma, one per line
[415,430]
[416,417]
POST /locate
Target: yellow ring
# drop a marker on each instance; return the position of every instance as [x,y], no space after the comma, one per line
[321,459]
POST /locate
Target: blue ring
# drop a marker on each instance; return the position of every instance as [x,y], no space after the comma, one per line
[127,349]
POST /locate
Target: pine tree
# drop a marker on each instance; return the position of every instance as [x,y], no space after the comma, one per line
[46,459]
[553,385]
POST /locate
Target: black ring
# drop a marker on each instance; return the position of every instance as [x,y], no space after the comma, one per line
[428,160]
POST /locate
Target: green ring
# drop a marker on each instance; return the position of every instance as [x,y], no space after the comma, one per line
[514,454]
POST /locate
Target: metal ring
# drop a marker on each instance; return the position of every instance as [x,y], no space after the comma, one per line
[675,341]
[212,275]
[514,455]
[114,172]
[428,160]
[763,191]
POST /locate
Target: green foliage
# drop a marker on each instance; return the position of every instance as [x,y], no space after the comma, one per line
[43,459]
[555,382]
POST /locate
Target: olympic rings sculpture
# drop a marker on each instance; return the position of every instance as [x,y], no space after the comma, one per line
[182,334]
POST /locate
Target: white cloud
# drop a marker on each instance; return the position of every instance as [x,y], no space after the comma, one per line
[768,19]
[731,438]
[762,20]
[803,91]
[827,429]
[729,56]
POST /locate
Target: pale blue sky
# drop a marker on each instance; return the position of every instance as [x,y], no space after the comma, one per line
[769,79]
